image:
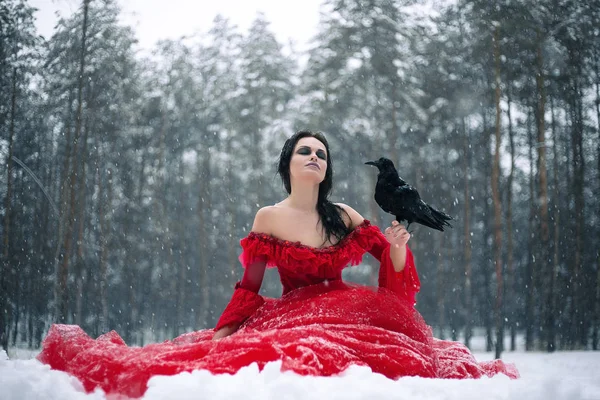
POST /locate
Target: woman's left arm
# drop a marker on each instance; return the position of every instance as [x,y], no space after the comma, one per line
[396,235]
[397,270]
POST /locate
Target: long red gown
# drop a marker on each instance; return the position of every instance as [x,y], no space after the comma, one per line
[319,326]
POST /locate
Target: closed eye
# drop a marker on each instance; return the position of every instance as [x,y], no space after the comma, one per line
[305,150]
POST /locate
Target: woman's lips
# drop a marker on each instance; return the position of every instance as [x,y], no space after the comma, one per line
[312,164]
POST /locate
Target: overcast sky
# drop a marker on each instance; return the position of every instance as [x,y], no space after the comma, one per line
[162,19]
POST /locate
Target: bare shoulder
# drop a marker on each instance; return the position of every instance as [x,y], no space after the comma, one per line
[264,220]
[355,217]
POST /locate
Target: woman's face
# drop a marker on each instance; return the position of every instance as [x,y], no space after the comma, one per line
[309,160]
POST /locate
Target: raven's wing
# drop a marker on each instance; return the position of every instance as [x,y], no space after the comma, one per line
[385,195]
[402,201]
[408,193]
[405,203]
[394,179]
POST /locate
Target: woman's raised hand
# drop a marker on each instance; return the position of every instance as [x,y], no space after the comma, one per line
[397,234]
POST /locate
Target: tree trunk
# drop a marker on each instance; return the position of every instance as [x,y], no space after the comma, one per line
[530,268]
[182,273]
[578,187]
[441,289]
[166,247]
[136,292]
[487,284]
[510,299]
[596,312]
[499,314]
[31,311]
[62,303]
[133,281]
[35,294]
[468,293]
[203,245]
[6,270]
[257,163]
[18,270]
[16,315]
[374,212]
[543,189]
[103,204]
[567,250]
[47,227]
[596,328]
[80,212]
[64,206]
[551,301]
[393,137]
[232,211]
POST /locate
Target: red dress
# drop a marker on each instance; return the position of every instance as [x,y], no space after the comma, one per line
[319,326]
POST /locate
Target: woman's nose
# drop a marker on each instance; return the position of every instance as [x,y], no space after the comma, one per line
[313,157]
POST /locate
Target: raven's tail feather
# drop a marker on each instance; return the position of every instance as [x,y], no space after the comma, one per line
[430,222]
[435,219]
[440,216]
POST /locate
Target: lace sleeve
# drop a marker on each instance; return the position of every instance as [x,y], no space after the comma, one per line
[245,299]
[242,305]
[405,283]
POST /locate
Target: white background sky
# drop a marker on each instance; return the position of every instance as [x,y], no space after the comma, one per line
[162,19]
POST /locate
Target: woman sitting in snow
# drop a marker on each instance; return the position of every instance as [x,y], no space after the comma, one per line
[319,326]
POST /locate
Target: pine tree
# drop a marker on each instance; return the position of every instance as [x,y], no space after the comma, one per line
[19,53]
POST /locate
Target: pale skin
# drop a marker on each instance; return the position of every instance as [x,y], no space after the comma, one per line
[307,170]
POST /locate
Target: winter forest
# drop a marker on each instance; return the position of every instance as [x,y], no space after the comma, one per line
[128,179]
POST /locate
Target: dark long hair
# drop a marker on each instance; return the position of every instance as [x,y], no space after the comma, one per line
[329,213]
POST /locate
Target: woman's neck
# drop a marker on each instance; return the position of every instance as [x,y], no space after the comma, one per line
[304,197]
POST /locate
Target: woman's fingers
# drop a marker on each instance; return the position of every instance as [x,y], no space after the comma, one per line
[403,234]
[397,231]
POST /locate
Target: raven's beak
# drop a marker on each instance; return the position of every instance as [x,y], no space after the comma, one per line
[371,163]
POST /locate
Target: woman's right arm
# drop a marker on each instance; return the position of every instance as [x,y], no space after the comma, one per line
[245,298]
[244,302]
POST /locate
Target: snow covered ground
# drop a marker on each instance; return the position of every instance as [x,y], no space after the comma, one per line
[562,375]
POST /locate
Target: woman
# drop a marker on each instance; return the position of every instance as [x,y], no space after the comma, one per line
[306,171]
[319,326]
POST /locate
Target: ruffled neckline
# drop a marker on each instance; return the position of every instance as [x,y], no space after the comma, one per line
[299,245]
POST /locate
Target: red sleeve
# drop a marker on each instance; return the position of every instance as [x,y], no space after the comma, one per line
[242,305]
[405,283]
[245,300]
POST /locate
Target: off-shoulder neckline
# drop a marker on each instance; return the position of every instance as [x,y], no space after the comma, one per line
[273,239]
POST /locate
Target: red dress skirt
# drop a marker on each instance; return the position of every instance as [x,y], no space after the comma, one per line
[319,326]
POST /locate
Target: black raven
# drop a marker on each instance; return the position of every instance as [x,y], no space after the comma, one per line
[397,197]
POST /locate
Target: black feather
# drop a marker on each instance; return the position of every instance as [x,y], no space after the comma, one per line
[398,198]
